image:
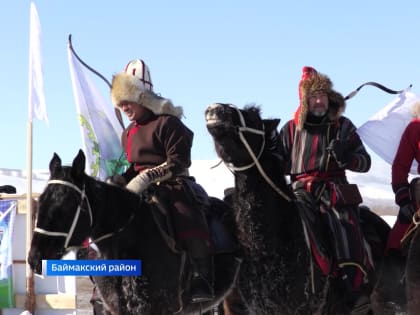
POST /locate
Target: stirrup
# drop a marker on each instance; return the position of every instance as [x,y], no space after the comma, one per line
[201,290]
[201,298]
[361,306]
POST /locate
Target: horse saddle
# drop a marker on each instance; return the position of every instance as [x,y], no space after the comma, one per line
[222,226]
[217,214]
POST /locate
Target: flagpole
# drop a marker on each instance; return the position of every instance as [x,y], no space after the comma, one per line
[30,294]
[29,299]
[36,106]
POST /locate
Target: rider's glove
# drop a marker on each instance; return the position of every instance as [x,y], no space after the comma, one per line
[405,215]
[403,199]
[338,150]
[152,175]
[402,195]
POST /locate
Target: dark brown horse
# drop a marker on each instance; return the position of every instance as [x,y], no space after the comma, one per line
[278,274]
[398,287]
[75,206]
[413,270]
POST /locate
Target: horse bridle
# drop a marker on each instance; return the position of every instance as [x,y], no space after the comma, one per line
[243,128]
[68,235]
[255,159]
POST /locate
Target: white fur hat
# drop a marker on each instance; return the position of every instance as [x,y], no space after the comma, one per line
[134,84]
[129,84]
[139,69]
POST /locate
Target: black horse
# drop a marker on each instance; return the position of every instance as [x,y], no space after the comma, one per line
[278,273]
[75,206]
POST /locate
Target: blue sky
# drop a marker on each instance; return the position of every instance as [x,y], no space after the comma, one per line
[200,52]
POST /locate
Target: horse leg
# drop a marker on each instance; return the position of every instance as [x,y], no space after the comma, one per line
[107,289]
[233,304]
[388,296]
[413,275]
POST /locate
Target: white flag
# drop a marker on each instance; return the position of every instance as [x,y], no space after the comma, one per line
[36,99]
[99,126]
[382,132]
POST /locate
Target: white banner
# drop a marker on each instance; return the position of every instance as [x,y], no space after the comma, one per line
[382,132]
[36,98]
[99,126]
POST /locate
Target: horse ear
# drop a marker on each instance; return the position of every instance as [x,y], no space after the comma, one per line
[271,124]
[55,164]
[79,164]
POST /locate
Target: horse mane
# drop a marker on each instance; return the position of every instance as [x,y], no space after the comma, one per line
[253,107]
[121,193]
[257,191]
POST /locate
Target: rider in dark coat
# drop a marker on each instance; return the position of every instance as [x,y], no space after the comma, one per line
[158,146]
[317,146]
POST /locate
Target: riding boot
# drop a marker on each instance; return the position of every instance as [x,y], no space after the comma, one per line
[202,280]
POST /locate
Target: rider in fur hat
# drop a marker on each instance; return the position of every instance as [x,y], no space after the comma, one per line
[158,146]
[317,146]
[311,83]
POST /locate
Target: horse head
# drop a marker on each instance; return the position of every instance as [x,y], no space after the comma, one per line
[64,216]
[240,135]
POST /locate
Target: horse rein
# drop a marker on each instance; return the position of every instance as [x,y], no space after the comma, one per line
[68,235]
[255,159]
[416,217]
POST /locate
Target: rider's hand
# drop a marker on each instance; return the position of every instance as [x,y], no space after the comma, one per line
[139,183]
[405,215]
[338,149]
[117,180]
[403,199]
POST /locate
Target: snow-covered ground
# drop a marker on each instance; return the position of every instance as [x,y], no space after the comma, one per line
[375,187]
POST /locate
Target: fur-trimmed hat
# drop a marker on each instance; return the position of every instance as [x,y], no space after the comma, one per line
[134,84]
[313,81]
